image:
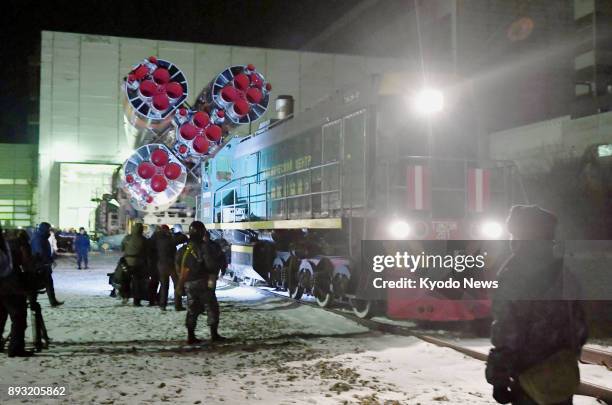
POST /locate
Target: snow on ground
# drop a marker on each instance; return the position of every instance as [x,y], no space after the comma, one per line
[278,353]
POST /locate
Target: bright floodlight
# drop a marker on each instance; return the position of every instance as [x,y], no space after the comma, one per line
[428,101]
[400,229]
[492,230]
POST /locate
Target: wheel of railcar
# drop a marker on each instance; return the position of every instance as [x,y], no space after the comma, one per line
[276,277]
[293,284]
[322,288]
[277,273]
[324,299]
[364,309]
[340,286]
[296,292]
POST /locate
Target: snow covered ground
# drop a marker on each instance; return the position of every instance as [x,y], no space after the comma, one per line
[278,353]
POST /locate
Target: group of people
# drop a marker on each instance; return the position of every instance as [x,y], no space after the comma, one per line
[537,334]
[193,263]
[26,267]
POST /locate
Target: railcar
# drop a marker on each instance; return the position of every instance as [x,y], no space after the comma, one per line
[297,198]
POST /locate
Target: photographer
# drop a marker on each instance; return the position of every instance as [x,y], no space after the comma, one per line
[12,300]
[43,256]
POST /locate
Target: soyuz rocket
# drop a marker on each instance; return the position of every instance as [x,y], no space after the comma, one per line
[172,138]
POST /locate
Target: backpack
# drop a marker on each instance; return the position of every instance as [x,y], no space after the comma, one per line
[37,276]
[121,275]
[554,380]
[213,257]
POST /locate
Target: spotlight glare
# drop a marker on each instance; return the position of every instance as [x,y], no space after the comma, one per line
[492,230]
[400,229]
[428,101]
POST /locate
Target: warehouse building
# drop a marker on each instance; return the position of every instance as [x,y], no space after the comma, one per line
[512,51]
[17,184]
[82,139]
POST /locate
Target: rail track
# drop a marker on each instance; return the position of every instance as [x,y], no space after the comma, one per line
[589,355]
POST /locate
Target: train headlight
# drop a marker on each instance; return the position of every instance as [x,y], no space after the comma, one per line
[492,230]
[428,101]
[400,229]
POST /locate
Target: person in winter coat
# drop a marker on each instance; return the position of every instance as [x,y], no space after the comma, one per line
[12,301]
[134,251]
[152,272]
[81,247]
[34,280]
[166,252]
[43,257]
[199,269]
[537,336]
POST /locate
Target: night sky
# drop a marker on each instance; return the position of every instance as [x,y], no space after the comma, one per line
[265,23]
[534,85]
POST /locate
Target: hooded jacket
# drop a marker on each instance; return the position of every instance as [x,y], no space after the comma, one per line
[133,247]
[41,248]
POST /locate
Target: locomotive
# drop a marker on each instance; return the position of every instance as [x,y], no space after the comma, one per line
[297,199]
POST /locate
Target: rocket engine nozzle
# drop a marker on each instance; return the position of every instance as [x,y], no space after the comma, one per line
[153,177]
[152,92]
[197,132]
[240,91]
[170,135]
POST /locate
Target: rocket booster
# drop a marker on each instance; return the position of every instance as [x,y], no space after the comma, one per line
[173,137]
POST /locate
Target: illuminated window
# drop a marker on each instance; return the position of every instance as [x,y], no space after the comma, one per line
[604,150]
[224,168]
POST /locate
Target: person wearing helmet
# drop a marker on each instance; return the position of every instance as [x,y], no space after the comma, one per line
[199,269]
[43,257]
[538,330]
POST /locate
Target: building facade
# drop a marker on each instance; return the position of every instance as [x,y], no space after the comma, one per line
[17,185]
[81,119]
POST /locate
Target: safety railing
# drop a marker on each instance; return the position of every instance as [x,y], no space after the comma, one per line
[263,197]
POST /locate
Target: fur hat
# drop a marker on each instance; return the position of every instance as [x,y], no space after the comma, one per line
[531,222]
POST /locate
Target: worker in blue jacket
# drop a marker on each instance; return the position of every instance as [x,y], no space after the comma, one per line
[43,259]
[81,247]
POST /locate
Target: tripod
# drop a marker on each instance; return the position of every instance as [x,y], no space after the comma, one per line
[39,330]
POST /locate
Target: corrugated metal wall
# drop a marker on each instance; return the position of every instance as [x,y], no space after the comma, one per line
[81,119]
[17,184]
